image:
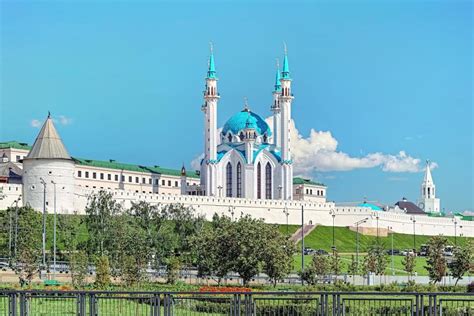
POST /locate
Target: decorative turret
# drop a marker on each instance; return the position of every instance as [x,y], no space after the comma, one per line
[211,97]
[48,171]
[250,135]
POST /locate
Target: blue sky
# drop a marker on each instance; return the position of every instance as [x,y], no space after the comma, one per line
[124,81]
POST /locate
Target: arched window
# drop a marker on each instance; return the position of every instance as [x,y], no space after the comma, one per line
[259,181]
[228,185]
[229,138]
[268,181]
[239,180]
[265,138]
[241,136]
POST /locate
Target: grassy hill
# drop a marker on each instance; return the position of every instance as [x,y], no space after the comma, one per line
[345,239]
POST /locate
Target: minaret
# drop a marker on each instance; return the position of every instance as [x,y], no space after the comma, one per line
[211,97]
[286,98]
[276,109]
[183,180]
[249,136]
[428,201]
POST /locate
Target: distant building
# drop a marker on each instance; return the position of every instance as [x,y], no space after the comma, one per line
[428,201]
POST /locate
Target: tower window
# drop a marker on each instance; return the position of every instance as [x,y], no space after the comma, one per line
[268,181]
[229,138]
[259,181]
[239,180]
[228,185]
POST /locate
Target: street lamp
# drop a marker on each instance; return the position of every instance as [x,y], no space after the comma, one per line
[231,211]
[414,234]
[333,233]
[455,231]
[10,239]
[54,232]
[285,211]
[44,221]
[389,228]
[302,244]
[357,239]
[377,218]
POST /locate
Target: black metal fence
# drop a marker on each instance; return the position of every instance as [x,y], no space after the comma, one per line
[92,303]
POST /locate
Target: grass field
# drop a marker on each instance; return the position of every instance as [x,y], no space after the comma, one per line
[345,239]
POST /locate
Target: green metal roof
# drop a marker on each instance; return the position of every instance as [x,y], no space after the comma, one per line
[298,180]
[14,144]
[131,167]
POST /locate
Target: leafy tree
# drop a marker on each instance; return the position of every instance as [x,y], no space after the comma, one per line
[29,243]
[319,267]
[436,262]
[102,273]
[409,264]
[78,265]
[376,259]
[100,210]
[277,254]
[463,257]
[173,267]
[336,263]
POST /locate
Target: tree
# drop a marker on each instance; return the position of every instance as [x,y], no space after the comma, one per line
[463,257]
[29,243]
[102,273]
[277,255]
[336,263]
[319,267]
[353,266]
[409,264]
[376,259]
[101,209]
[79,267]
[436,262]
[173,267]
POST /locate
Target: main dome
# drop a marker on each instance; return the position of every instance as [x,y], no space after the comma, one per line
[238,123]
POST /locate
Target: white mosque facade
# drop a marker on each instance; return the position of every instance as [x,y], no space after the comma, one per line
[247,169]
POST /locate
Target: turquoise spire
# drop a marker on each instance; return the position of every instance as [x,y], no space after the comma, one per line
[286,68]
[211,73]
[277,78]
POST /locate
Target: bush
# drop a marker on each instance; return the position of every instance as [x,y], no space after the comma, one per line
[102,277]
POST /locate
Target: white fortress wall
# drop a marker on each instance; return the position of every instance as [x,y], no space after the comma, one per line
[273,211]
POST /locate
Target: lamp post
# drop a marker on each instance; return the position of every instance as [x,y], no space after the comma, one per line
[285,211]
[10,239]
[389,228]
[16,225]
[54,232]
[44,221]
[357,239]
[333,233]
[377,218]
[302,244]
[231,211]
[414,234]
[455,231]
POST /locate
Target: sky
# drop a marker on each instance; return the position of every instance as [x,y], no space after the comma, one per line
[380,86]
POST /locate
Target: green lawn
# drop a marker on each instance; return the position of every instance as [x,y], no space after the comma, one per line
[345,239]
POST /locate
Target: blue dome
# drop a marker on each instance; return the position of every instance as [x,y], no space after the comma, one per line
[239,121]
[371,206]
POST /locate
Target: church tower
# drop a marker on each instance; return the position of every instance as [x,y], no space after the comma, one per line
[211,97]
[276,109]
[286,98]
[428,201]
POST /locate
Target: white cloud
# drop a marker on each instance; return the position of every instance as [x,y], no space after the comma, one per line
[35,123]
[318,153]
[63,120]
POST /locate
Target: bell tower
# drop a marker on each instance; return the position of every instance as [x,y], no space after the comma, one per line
[428,201]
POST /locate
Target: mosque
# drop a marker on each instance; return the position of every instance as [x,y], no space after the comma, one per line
[247,168]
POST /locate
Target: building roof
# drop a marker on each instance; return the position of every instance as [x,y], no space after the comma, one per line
[298,180]
[131,167]
[10,170]
[48,144]
[239,121]
[410,207]
[373,207]
[14,144]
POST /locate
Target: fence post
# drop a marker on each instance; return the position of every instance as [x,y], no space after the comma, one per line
[156,304]
[12,304]
[92,304]
[23,305]
[81,304]
[167,304]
